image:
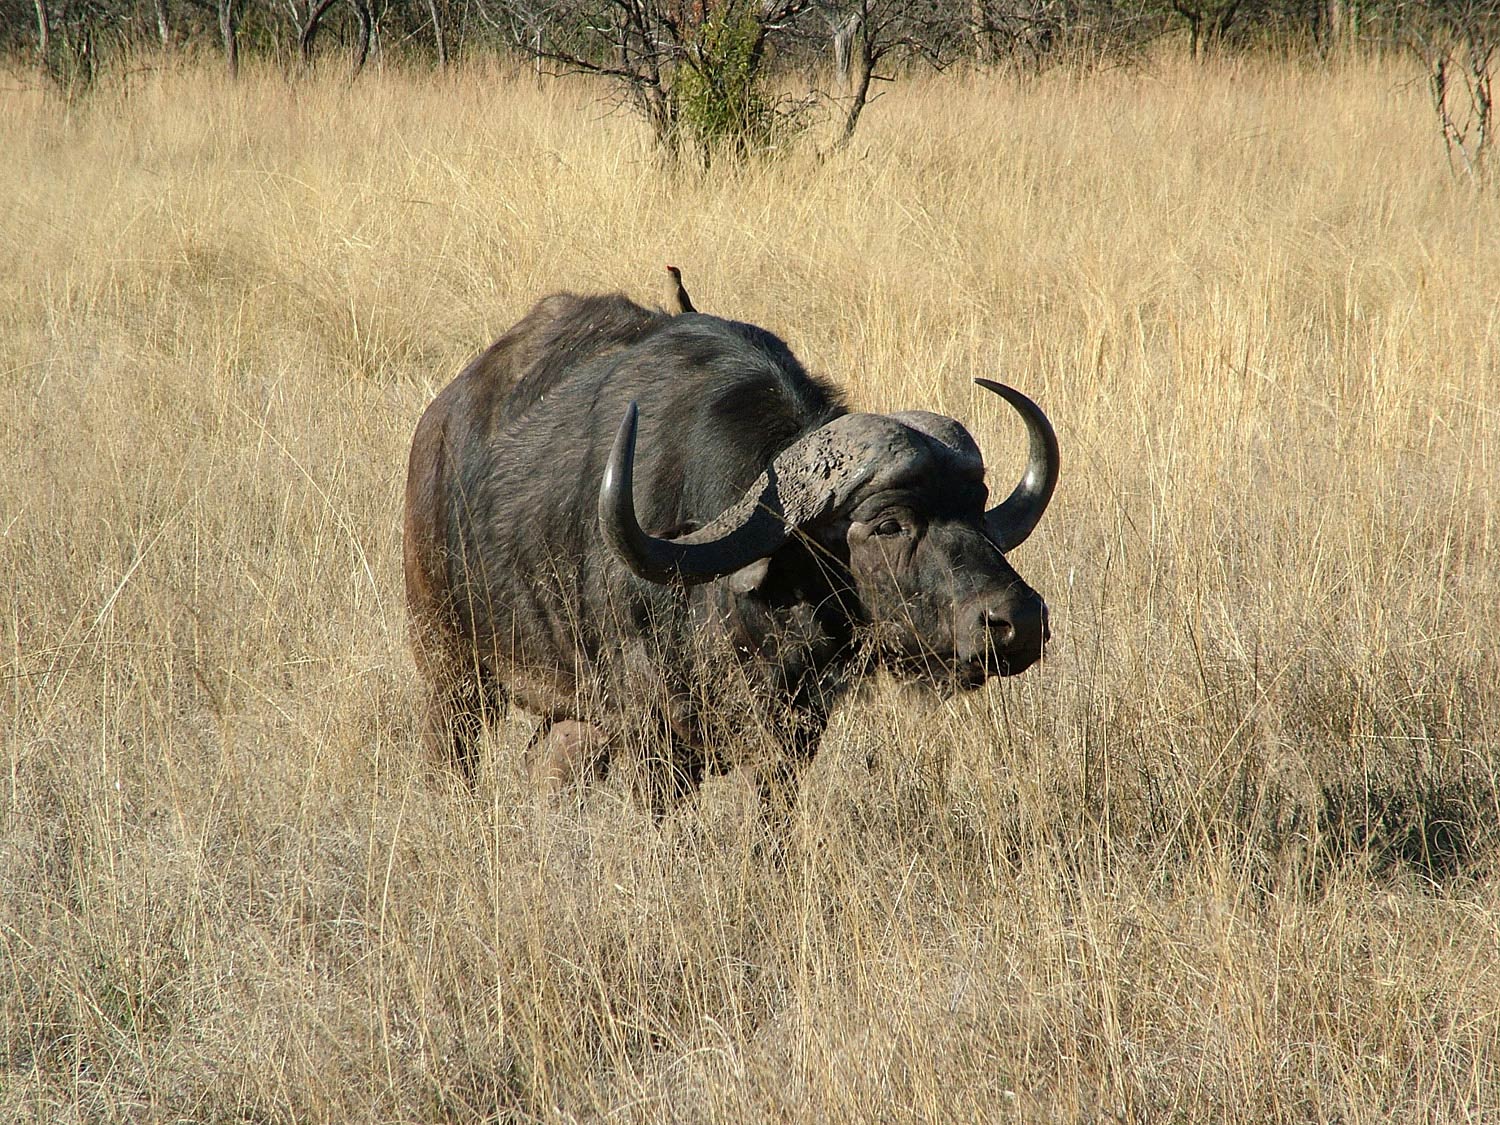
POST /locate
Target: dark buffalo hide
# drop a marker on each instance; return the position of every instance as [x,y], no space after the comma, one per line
[660,531]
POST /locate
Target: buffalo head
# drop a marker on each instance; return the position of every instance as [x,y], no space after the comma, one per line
[896,501]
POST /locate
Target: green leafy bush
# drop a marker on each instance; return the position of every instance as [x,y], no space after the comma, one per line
[722,104]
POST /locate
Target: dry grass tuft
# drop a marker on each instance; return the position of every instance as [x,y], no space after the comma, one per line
[1230,855]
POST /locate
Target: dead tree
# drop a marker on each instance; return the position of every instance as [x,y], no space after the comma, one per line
[869,33]
[43,35]
[1208,22]
[163,27]
[1458,44]
[439,39]
[229,34]
[310,21]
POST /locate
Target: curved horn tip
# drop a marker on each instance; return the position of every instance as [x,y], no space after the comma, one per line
[1035,417]
[616,499]
[1014,519]
[627,423]
[1004,390]
[621,453]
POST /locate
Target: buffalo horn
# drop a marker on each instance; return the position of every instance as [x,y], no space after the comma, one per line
[1010,522]
[807,481]
[749,530]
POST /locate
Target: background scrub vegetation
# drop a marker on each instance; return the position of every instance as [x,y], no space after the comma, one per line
[1228,855]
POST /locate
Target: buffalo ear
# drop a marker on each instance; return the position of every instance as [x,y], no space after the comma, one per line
[749,579]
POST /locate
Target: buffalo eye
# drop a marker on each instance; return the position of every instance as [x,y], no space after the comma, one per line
[889,527]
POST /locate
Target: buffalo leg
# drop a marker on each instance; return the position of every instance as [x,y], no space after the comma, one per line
[459,709]
[670,779]
[564,752]
[778,795]
[780,781]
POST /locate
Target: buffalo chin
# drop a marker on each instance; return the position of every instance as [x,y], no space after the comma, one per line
[949,676]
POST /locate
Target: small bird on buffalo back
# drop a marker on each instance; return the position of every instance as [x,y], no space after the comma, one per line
[678,301]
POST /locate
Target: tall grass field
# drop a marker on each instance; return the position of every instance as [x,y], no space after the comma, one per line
[1227,855]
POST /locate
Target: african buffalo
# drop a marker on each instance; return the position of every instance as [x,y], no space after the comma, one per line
[791,546]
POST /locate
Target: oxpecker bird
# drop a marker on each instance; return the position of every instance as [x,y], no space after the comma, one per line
[678,301]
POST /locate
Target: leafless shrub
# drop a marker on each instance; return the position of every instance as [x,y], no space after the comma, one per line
[1457,43]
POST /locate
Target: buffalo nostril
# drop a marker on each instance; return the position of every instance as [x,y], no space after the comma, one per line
[1001,629]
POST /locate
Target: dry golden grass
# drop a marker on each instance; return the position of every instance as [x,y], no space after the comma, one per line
[1228,856]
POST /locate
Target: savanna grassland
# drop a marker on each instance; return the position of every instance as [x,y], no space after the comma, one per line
[1228,855]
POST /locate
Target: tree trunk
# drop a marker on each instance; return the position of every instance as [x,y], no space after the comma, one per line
[163,28]
[864,75]
[309,34]
[366,33]
[844,35]
[229,31]
[979,31]
[1335,23]
[656,104]
[43,36]
[438,38]
[1194,17]
[307,40]
[1224,21]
